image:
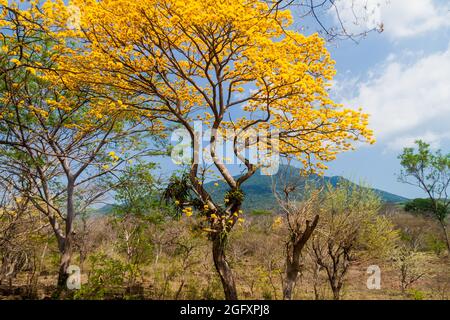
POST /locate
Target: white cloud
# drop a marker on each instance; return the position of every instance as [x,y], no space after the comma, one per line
[400,18]
[408,101]
[434,139]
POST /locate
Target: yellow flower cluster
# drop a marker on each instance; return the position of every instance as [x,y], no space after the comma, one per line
[188,211]
[277,222]
[114,157]
[187,59]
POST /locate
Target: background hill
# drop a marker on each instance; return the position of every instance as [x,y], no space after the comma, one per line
[259,195]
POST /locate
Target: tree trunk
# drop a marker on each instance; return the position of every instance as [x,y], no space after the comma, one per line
[444,230]
[336,284]
[294,250]
[66,243]
[291,279]
[64,264]
[222,267]
[292,268]
[316,280]
[336,293]
[83,256]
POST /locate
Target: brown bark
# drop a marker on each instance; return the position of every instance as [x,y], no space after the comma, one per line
[444,230]
[223,268]
[64,264]
[336,292]
[294,250]
[65,245]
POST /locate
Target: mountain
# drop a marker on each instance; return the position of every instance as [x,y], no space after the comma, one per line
[259,195]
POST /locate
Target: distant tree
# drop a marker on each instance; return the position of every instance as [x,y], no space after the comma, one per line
[423,206]
[138,193]
[429,171]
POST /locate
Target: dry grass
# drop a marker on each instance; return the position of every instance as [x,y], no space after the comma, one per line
[256,254]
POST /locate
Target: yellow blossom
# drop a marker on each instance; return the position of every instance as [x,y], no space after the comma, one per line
[16,61]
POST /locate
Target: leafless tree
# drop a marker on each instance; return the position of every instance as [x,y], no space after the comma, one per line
[302,216]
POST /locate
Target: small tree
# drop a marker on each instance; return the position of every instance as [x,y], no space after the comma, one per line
[349,228]
[408,262]
[430,172]
[301,215]
[137,209]
[13,218]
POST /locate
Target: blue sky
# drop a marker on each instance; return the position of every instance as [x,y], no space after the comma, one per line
[400,76]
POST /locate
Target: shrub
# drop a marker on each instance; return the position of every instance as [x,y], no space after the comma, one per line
[435,244]
[108,279]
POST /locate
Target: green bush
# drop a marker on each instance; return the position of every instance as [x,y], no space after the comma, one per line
[425,207]
[108,279]
[435,244]
[260,212]
[417,294]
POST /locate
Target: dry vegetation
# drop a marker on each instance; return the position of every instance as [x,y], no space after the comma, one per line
[172,261]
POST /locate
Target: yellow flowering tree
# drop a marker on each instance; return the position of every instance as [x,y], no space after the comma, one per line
[235,65]
[58,149]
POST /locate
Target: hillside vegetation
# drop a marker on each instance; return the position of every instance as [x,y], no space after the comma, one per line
[259,189]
